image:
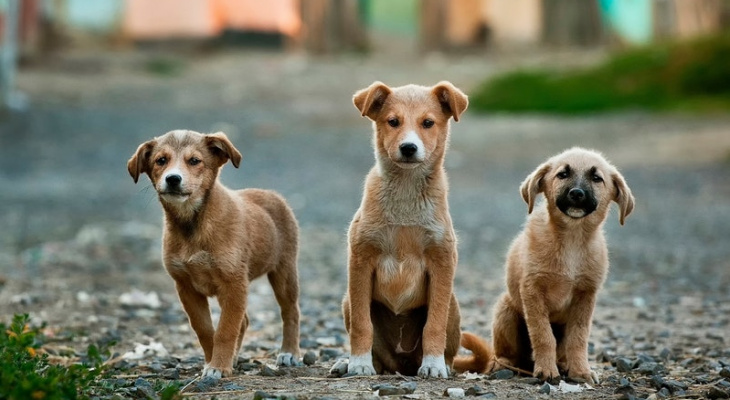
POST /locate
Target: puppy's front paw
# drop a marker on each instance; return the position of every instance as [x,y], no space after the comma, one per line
[212,372]
[361,365]
[433,367]
[287,360]
[546,372]
[580,371]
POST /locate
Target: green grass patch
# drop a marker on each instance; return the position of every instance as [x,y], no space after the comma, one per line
[27,374]
[692,76]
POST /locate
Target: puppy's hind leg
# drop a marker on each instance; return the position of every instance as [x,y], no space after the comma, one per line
[506,334]
[239,342]
[285,282]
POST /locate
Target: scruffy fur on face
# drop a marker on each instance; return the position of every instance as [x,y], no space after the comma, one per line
[216,240]
[399,309]
[557,264]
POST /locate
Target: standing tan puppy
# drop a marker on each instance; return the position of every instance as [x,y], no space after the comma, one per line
[557,264]
[217,240]
[400,310]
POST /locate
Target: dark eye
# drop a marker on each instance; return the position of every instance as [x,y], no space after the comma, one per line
[161,161]
[597,178]
[194,161]
[563,174]
[427,123]
[394,122]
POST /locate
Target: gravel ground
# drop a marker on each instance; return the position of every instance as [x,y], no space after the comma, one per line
[80,244]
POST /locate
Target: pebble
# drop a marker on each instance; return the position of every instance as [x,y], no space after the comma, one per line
[657,382]
[387,389]
[725,372]
[329,354]
[666,354]
[717,393]
[339,369]
[171,373]
[529,381]
[649,368]
[623,364]
[261,395]
[626,390]
[268,371]
[206,384]
[308,344]
[454,392]
[476,390]
[309,358]
[502,374]
[545,388]
[232,386]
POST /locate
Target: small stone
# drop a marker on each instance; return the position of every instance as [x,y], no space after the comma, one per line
[455,392]
[623,382]
[502,374]
[339,369]
[246,366]
[475,390]
[170,373]
[725,372]
[261,395]
[649,368]
[268,371]
[205,384]
[388,390]
[623,364]
[657,382]
[232,386]
[625,391]
[329,354]
[604,356]
[529,381]
[309,358]
[666,354]
[724,383]
[675,386]
[717,393]
[544,389]
[664,392]
[308,344]
[409,387]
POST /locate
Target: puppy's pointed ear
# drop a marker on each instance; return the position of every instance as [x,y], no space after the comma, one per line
[222,148]
[533,185]
[623,197]
[371,99]
[140,162]
[453,101]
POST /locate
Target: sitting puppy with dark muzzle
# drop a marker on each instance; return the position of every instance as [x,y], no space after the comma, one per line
[557,264]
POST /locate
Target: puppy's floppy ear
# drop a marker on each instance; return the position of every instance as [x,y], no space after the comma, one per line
[533,185]
[140,162]
[222,148]
[623,196]
[371,99]
[453,101]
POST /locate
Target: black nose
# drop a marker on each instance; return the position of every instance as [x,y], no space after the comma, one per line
[577,194]
[408,149]
[173,180]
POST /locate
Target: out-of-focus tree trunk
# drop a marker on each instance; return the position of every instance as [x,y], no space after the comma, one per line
[432,24]
[571,22]
[332,25]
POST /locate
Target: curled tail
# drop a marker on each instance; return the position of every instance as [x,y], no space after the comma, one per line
[482,358]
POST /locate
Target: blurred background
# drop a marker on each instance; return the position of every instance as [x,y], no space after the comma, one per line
[83,83]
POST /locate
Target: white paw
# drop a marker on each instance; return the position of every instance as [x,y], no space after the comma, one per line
[433,367]
[210,372]
[361,365]
[287,360]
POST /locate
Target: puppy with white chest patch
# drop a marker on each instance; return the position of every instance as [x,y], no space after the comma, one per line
[216,240]
[556,266]
[400,310]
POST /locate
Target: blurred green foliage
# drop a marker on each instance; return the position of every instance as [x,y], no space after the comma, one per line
[692,75]
[26,373]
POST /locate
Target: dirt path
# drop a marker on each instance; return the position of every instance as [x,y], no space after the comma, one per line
[79,234]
